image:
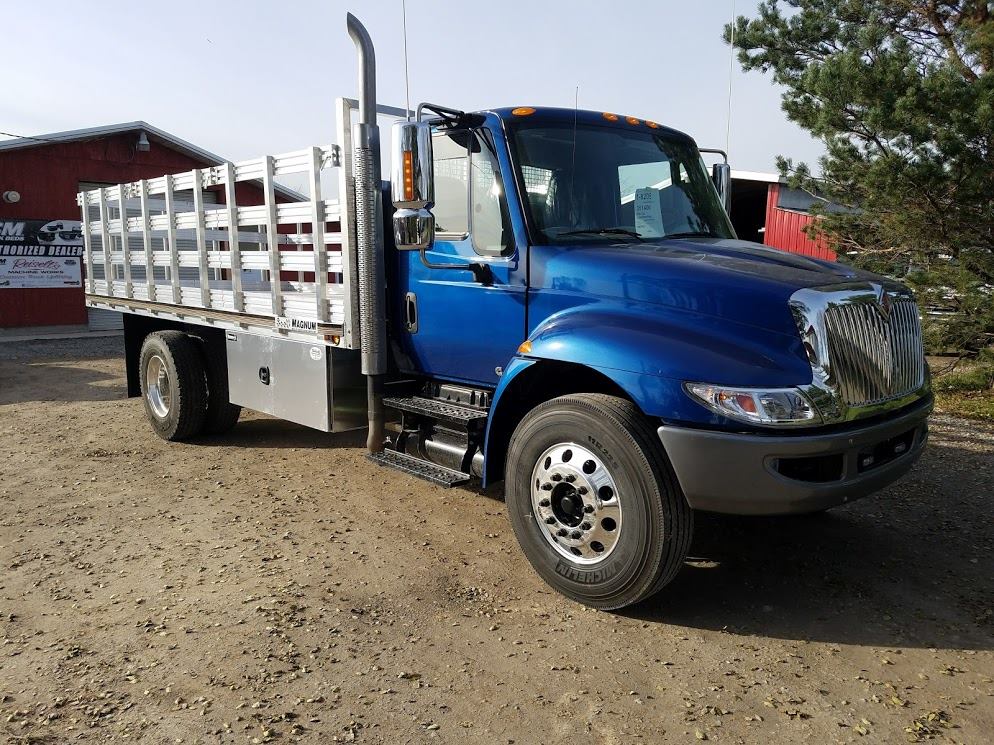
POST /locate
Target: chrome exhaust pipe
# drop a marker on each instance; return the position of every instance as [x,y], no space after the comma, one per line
[369,235]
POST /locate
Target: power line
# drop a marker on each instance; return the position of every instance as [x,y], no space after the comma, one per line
[28,137]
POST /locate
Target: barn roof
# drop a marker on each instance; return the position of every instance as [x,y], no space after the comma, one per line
[154,133]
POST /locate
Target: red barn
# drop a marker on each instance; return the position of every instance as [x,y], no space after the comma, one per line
[39,219]
[766,210]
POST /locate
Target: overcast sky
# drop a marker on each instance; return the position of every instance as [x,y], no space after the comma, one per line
[248,78]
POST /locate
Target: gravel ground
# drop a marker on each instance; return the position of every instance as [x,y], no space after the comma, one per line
[272,585]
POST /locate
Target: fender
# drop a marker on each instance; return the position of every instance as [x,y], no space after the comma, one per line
[670,343]
[649,355]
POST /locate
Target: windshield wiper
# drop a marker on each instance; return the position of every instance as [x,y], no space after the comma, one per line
[604,231]
[692,234]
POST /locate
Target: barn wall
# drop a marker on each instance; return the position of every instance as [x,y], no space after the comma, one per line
[785,230]
[47,177]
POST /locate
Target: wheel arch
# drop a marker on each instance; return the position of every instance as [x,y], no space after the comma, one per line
[138,327]
[526,384]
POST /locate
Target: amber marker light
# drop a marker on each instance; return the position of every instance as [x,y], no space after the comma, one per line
[744,400]
[525,347]
[632,120]
[408,175]
[610,117]
[523,111]
[651,125]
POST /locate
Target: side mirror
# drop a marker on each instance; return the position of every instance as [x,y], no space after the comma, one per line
[721,174]
[413,230]
[412,186]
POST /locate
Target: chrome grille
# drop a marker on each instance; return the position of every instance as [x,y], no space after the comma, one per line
[874,349]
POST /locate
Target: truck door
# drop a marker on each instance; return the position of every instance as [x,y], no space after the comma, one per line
[451,324]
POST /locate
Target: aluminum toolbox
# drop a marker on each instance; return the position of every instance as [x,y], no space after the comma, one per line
[303,382]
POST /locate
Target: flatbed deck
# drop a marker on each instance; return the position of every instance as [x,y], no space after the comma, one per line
[157,247]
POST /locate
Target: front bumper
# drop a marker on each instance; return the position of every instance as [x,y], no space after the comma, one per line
[754,474]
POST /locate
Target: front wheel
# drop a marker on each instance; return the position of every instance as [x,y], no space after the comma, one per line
[594,502]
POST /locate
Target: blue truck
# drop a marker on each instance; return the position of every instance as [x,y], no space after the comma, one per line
[550,298]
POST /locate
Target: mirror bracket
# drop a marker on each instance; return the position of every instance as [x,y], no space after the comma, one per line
[721,176]
[482,273]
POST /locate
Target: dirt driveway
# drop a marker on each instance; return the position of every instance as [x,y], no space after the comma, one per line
[272,585]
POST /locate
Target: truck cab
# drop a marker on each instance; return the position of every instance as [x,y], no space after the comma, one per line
[562,253]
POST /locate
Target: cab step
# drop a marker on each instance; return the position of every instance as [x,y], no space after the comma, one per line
[423,469]
[432,408]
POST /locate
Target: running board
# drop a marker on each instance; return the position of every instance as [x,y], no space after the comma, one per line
[423,469]
[437,410]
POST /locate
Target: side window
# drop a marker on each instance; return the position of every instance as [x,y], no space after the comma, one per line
[491,223]
[451,159]
[469,193]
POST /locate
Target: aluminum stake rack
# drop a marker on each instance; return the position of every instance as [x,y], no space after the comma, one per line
[156,247]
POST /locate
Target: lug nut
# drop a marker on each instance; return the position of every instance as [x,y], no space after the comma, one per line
[563,532]
[546,486]
[575,534]
[544,503]
[571,477]
[585,526]
[550,520]
[556,477]
[588,508]
[582,490]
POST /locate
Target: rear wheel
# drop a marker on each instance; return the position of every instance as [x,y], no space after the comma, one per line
[594,502]
[221,414]
[173,384]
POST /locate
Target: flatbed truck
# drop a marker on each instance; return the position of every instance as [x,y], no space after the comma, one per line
[553,299]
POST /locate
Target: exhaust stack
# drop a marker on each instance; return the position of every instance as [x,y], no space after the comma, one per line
[369,235]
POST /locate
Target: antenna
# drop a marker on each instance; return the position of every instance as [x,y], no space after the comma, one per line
[731,58]
[407,78]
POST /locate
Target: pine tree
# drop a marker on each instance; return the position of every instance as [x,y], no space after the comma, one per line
[901,92]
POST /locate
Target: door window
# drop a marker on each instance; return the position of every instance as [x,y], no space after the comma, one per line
[469,192]
[451,157]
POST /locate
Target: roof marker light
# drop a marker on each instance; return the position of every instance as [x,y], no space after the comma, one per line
[523,111]
[632,120]
[610,117]
[651,125]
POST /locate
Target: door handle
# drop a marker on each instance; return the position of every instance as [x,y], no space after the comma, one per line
[411,312]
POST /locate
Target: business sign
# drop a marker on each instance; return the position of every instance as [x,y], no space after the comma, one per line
[40,253]
[20,272]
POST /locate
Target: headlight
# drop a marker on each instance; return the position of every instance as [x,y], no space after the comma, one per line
[769,406]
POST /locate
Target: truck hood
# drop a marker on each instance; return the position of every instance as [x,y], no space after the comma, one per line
[740,281]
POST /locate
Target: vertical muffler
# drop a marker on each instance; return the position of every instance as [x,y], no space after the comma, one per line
[369,235]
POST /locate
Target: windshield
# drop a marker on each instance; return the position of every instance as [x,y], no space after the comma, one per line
[595,182]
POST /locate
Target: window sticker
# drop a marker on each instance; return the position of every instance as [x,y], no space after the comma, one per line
[648,213]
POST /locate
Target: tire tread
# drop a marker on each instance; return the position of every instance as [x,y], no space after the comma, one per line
[221,415]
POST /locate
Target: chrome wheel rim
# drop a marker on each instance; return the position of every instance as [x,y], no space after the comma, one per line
[157,389]
[576,503]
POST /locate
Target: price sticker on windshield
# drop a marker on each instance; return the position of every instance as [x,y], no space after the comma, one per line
[648,213]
